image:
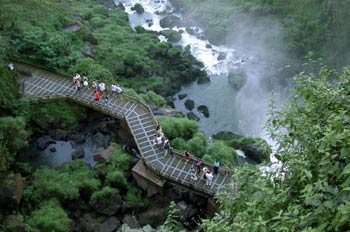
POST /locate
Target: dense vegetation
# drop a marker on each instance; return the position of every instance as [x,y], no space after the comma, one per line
[315,25]
[310,190]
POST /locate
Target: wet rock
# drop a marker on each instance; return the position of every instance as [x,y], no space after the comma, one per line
[190,31]
[43,142]
[172,35]
[131,221]
[153,217]
[222,56]
[101,140]
[203,79]
[78,138]
[237,79]
[186,211]
[167,111]
[253,151]
[226,135]
[88,223]
[129,207]
[52,149]
[13,224]
[208,46]
[110,225]
[109,205]
[78,153]
[189,104]
[11,192]
[182,96]
[204,110]
[138,8]
[170,21]
[105,155]
[192,116]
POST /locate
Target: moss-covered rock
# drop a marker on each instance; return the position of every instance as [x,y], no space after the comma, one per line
[192,116]
[222,56]
[182,96]
[204,110]
[170,21]
[226,135]
[237,79]
[189,104]
[255,148]
[203,79]
[172,35]
[138,8]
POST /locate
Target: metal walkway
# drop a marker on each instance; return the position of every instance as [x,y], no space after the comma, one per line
[42,84]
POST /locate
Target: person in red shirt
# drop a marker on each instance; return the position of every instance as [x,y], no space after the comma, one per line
[97,96]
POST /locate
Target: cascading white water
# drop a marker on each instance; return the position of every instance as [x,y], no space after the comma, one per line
[242,112]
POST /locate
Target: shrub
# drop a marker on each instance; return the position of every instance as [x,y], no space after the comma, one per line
[120,160]
[133,194]
[64,183]
[222,152]
[177,127]
[116,177]
[197,144]
[49,217]
[151,96]
[106,192]
[138,8]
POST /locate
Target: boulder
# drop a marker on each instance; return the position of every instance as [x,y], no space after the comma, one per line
[253,151]
[170,21]
[192,116]
[78,138]
[189,104]
[87,223]
[78,153]
[12,223]
[203,79]
[172,35]
[43,142]
[110,225]
[129,207]
[204,110]
[11,192]
[222,56]
[109,205]
[138,8]
[187,213]
[153,217]
[166,111]
[101,140]
[104,156]
[182,96]
[131,221]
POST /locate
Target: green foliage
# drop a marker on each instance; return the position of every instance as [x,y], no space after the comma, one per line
[197,144]
[221,151]
[177,127]
[9,89]
[57,114]
[179,144]
[13,138]
[151,96]
[115,176]
[106,192]
[64,183]
[50,216]
[138,8]
[170,223]
[310,191]
[133,194]
[120,160]
[88,67]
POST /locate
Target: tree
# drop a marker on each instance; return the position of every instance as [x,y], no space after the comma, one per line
[13,138]
[310,192]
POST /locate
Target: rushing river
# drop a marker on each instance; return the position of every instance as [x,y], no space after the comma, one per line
[243,112]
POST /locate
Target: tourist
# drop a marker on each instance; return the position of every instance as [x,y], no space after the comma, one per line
[77,85]
[157,140]
[205,171]
[187,155]
[193,175]
[85,82]
[198,166]
[209,178]
[119,89]
[114,89]
[97,96]
[94,86]
[102,87]
[216,167]
[107,101]
[166,146]
[11,66]
[159,131]
[76,77]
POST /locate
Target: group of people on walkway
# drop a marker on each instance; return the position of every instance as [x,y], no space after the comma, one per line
[160,141]
[83,81]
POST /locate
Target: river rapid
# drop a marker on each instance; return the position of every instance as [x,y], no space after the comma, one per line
[244,111]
